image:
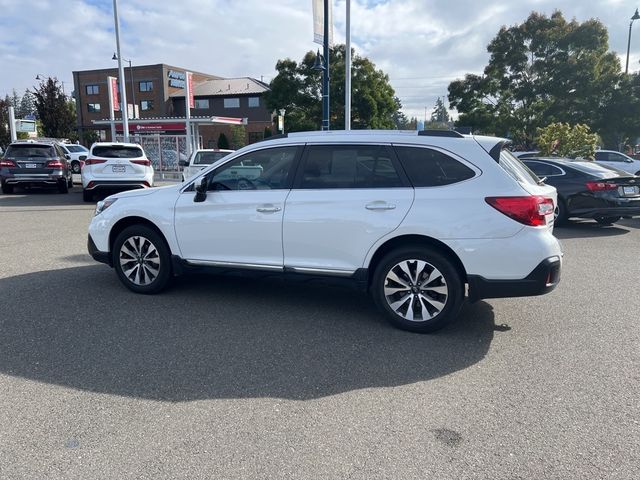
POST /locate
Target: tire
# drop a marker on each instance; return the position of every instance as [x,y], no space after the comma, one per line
[75,166]
[142,259]
[70,182]
[87,195]
[446,286]
[560,213]
[607,220]
[63,186]
[8,189]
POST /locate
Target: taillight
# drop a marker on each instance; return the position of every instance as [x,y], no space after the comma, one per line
[93,161]
[530,210]
[7,163]
[600,186]
[54,164]
[146,163]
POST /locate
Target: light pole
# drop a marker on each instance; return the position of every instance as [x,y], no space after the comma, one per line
[636,16]
[322,63]
[281,120]
[133,90]
[123,88]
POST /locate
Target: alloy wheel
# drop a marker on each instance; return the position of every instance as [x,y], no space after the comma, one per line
[139,260]
[415,290]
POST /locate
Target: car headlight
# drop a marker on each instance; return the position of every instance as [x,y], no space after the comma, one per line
[104,204]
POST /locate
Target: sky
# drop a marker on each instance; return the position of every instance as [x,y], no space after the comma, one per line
[421,44]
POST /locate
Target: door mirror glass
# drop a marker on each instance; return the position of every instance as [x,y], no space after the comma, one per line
[183,163]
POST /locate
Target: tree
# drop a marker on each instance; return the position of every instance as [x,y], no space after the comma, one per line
[223,143]
[298,88]
[238,137]
[567,141]
[544,70]
[440,113]
[5,134]
[54,109]
[27,105]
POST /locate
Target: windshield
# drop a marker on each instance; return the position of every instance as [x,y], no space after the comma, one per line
[207,158]
[30,151]
[117,151]
[76,148]
[518,170]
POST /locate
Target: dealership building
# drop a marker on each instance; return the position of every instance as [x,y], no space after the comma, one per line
[156,103]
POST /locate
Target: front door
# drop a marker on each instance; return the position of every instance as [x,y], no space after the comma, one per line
[240,221]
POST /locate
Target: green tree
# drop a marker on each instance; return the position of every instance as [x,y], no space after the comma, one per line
[567,141]
[298,88]
[223,142]
[238,136]
[5,134]
[543,70]
[54,110]
[27,105]
[440,113]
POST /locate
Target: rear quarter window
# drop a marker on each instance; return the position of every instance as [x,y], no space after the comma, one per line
[516,169]
[115,151]
[430,168]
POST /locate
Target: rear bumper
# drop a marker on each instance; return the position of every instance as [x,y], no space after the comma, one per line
[42,178]
[543,279]
[98,256]
[606,212]
[117,185]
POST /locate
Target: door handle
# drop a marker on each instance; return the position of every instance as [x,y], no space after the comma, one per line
[266,209]
[380,206]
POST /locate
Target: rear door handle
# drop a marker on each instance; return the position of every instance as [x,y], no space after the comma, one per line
[380,206]
[268,209]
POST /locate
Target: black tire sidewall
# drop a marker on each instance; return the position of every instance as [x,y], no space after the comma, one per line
[607,220]
[562,213]
[87,196]
[438,260]
[161,281]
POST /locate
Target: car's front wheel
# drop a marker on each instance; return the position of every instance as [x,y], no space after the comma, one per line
[63,186]
[607,220]
[142,260]
[418,288]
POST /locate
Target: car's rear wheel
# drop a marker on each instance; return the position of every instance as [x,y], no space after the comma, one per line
[142,260]
[87,195]
[560,213]
[70,182]
[7,188]
[418,288]
[63,186]
[607,220]
[75,166]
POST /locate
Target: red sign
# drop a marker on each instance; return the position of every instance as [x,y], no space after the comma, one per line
[114,94]
[192,102]
[152,127]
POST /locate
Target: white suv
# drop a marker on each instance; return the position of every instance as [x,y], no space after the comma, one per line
[412,217]
[200,159]
[115,166]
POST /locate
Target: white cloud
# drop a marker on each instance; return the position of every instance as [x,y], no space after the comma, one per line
[421,44]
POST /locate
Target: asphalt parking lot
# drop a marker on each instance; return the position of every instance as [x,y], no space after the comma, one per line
[236,378]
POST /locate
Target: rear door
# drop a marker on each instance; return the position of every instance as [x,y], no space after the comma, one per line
[345,198]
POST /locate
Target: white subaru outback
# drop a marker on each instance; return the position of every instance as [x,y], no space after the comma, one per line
[412,217]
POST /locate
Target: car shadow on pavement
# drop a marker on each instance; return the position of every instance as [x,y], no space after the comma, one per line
[39,197]
[211,337]
[586,229]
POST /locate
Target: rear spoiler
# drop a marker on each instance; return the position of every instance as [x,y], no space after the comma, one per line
[493,149]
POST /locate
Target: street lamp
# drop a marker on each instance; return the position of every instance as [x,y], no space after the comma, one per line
[133,91]
[42,78]
[636,16]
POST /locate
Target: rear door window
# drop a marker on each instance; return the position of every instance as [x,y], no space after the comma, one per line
[349,166]
[117,151]
[426,167]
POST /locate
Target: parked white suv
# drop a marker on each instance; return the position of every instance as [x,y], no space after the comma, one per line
[115,166]
[411,217]
[200,159]
[77,153]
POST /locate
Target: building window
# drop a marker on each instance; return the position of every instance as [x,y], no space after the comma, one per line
[93,107]
[255,136]
[254,102]
[146,105]
[202,103]
[231,103]
[93,89]
[146,86]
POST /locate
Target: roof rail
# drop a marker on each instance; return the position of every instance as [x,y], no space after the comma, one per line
[440,133]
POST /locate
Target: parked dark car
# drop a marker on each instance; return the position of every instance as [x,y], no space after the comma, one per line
[33,163]
[588,189]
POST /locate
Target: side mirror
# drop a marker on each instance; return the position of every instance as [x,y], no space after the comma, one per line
[82,158]
[201,184]
[628,160]
[183,163]
[67,156]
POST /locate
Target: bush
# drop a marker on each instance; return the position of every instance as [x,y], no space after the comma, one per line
[565,140]
[223,143]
